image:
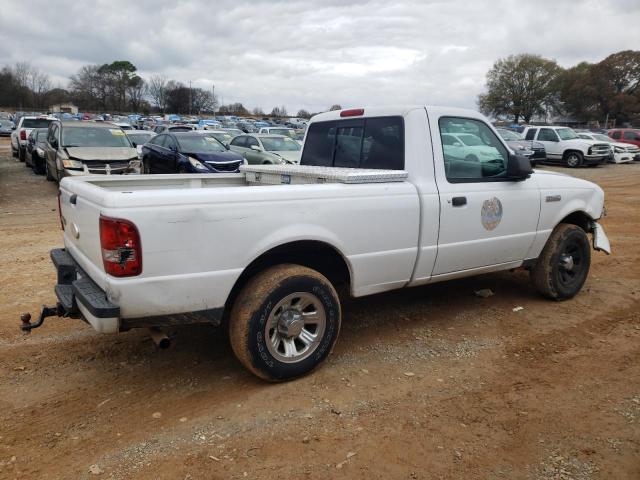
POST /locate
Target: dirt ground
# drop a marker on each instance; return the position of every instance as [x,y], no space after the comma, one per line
[431,382]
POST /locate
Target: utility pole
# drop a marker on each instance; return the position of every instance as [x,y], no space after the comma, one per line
[213,92]
[189,97]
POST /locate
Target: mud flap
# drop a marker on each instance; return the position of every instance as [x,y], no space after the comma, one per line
[600,240]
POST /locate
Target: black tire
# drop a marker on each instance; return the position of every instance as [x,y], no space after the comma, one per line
[563,266]
[254,306]
[14,153]
[573,159]
[47,173]
[22,155]
[37,165]
[146,168]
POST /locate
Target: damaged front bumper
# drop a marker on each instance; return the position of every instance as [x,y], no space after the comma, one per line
[600,239]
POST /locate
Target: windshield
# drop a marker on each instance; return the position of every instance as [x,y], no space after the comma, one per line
[200,144]
[94,137]
[281,131]
[508,135]
[140,138]
[566,134]
[36,123]
[285,144]
[601,137]
[471,140]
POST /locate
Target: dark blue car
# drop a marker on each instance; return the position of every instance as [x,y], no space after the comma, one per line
[188,152]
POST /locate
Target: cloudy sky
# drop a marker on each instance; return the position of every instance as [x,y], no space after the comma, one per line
[313,53]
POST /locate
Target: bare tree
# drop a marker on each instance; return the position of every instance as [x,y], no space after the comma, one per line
[40,84]
[158,86]
[136,92]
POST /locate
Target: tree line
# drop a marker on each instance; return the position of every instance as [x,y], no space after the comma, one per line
[115,87]
[529,86]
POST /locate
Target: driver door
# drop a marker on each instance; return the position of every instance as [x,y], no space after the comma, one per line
[485,219]
[549,138]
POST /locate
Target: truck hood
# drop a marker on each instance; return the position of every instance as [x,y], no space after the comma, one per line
[101,153]
[582,143]
[547,179]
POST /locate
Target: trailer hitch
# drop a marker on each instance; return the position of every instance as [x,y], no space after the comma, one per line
[25,318]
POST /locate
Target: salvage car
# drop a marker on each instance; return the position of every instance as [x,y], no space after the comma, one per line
[36,146]
[267,149]
[563,146]
[188,152]
[139,138]
[81,148]
[625,135]
[21,132]
[534,151]
[620,152]
[266,252]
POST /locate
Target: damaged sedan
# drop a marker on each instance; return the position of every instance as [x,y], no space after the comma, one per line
[81,148]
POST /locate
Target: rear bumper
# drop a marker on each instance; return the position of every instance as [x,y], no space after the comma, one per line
[81,297]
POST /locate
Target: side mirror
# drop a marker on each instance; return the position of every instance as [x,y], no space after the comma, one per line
[518,167]
[256,148]
[13,128]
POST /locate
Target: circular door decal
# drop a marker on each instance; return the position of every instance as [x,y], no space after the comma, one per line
[491,213]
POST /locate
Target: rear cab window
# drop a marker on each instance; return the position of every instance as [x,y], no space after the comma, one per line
[373,142]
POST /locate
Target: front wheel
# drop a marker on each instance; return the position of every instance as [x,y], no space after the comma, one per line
[284,322]
[563,266]
[573,159]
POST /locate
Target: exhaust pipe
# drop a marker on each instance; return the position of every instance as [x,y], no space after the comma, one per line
[160,338]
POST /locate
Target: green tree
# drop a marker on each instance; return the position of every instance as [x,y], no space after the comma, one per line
[520,86]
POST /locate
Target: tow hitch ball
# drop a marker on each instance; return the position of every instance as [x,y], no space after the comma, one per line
[25,318]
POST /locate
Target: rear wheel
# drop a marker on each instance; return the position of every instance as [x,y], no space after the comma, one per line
[563,266]
[284,322]
[22,154]
[573,159]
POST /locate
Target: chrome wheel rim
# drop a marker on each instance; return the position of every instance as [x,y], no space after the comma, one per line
[572,160]
[295,327]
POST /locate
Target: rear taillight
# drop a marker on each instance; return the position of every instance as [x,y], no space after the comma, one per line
[121,248]
[23,134]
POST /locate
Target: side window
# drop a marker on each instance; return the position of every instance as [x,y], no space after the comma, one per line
[584,136]
[480,157]
[252,142]
[318,147]
[630,136]
[240,141]
[531,134]
[170,143]
[547,135]
[616,134]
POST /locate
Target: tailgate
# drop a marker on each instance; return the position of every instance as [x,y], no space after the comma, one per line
[80,211]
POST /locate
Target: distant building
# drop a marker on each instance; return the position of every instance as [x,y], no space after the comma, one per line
[64,108]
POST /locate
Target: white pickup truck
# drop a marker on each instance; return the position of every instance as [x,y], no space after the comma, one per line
[267,251]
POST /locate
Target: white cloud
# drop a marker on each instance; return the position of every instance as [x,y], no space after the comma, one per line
[312,54]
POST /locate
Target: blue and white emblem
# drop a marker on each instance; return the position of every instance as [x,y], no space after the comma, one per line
[491,213]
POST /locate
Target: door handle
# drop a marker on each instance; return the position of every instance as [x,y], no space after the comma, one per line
[458,201]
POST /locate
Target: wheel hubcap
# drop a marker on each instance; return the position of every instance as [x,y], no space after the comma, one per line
[295,327]
[570,264]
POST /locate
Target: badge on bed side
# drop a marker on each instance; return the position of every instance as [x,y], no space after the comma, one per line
[491,213]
